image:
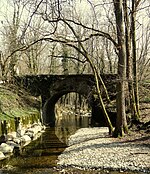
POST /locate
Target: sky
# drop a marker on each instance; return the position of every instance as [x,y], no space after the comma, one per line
[82,7]
[3,7]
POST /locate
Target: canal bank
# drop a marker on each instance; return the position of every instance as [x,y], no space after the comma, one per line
[73,147]
[16,105]
[40,156]
[90,151]
[93,149]
[86,151]
[18,114]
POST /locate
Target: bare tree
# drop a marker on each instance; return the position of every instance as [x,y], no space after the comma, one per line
[143,53]
[121,125]
[84,39]
[134,54]
[11,39]
[32,57]
[129,64]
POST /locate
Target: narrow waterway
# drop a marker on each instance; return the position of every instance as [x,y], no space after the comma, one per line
[40,156]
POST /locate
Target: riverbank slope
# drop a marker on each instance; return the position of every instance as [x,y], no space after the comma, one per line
[15,102]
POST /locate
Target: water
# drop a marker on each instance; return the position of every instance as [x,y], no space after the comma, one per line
[40,156]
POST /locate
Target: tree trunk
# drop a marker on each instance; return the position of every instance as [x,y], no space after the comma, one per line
[97,78]
[132,103]
[121,125]
[135,78]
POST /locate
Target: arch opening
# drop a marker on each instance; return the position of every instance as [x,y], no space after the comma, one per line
[79,103]
[74,102]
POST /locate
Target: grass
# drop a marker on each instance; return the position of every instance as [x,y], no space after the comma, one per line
[16,103]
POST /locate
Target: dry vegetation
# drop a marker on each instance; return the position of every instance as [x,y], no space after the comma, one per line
[140,133]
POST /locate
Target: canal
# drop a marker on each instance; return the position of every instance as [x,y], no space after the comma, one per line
[40,156]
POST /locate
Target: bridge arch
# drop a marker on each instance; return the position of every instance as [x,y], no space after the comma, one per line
[52,87]
[60,88]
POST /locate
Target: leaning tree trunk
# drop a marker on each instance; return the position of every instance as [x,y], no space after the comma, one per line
[121,125]
[97,78]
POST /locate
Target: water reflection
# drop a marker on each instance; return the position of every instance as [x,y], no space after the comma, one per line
[68,125]
[41,154]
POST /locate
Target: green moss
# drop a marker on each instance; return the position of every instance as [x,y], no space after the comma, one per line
[4,116]
[146,100]
[17,103]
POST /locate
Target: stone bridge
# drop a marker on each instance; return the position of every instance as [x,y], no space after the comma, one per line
[53,87]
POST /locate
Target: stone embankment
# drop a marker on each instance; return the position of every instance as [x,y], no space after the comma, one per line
[92,148]
[14,141]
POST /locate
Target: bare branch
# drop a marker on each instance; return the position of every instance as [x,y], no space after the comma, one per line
[69,57]
[98,32]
